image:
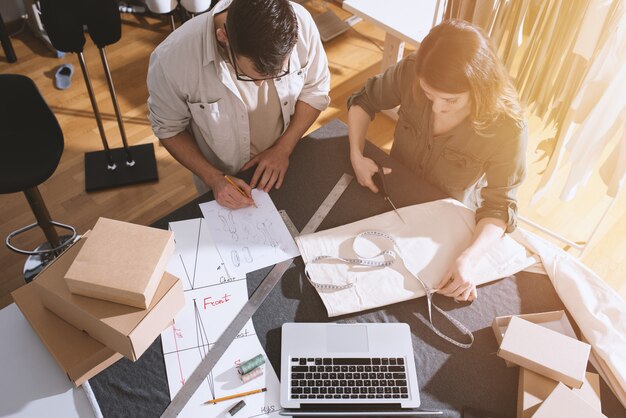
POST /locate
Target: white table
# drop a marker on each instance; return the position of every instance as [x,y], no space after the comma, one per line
[403,21]
[32,383]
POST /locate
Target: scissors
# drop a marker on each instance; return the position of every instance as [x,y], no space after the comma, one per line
[383,187]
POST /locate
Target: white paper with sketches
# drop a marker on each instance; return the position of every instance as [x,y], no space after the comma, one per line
[212,300]
[198,263]
[250,238]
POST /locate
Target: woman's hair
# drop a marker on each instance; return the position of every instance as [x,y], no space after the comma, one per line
[456,57]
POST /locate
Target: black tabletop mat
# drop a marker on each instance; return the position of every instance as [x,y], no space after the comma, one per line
[450,378]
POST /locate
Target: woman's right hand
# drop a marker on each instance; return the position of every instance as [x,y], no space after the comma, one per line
[365,168]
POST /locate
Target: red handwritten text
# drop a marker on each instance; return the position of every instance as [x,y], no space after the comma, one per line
[209,301]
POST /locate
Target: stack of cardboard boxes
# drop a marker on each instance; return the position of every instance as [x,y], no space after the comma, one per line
[105,297]
[553,381]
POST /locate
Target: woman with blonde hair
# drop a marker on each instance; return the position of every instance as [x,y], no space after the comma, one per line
[460,127]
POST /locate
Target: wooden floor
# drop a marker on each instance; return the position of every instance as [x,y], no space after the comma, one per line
[353,57]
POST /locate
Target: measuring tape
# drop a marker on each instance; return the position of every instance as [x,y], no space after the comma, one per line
[223,342]
[390,256]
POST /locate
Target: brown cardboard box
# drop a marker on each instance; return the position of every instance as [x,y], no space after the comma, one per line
[534,388]
[125,329]
[121,262]
[79,356]
[555,320]
[546,352]
[563,402]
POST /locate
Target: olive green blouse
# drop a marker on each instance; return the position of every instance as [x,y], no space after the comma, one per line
[481,170]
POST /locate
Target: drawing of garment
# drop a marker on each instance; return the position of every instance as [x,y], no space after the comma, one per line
[226,216]
[247,256]
[234,255]
[266,228]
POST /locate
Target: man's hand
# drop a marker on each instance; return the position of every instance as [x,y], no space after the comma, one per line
[364,169]
[458,282]
[271,168]
[227,195]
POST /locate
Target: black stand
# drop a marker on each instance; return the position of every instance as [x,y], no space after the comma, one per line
[6,42]
[99,177]
[119,166]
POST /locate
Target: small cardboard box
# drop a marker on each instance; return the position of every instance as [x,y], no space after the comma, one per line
[125,329]
[546,352]
[121,262]
[563,402]
[534,388]
[555,320]
[79,356]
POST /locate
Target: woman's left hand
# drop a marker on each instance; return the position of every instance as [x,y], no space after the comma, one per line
[458,283]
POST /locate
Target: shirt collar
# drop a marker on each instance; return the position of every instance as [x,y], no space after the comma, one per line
[211,51]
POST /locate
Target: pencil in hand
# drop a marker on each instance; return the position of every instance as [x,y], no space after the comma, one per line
[236,395]
[228,179]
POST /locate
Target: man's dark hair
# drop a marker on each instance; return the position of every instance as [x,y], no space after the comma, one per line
[265,31]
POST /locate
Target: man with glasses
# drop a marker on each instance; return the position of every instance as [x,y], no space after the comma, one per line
[238,87]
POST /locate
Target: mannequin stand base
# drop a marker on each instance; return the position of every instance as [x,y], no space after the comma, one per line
[99,177]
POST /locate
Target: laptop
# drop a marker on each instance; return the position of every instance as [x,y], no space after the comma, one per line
[332,369]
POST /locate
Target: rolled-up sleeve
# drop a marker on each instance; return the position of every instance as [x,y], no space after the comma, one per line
[384,91]
[504,173]
[315,91]
[167,110]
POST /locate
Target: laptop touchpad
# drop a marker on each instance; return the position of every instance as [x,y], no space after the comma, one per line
[342,338]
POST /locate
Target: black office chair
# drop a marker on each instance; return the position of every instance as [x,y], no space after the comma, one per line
[32,143]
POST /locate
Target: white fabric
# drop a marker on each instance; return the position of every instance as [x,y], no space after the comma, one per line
[594,121]
[435,234]
[598,310]
[196,6]
[613,171]
[593,135]
[161,6]
[591,27]
[191,88]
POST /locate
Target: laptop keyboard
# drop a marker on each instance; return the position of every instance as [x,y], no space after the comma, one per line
[348,378]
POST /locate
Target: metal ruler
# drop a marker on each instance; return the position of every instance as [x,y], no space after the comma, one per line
[223,342]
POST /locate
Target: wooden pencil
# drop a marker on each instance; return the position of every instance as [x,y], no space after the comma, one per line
[228,179]
[236,395]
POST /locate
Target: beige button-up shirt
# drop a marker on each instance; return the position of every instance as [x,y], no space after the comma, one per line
[191,88]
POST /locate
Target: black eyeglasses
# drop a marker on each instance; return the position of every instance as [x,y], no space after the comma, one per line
[244,77]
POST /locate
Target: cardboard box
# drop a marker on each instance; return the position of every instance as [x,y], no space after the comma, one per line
[534,388]
[546,352]
[555,320]
[125,329]
[121,262]
[79,356]
[563,402]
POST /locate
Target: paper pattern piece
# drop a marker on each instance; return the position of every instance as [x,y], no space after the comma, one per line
[250,238]
[212,300]
[196,261]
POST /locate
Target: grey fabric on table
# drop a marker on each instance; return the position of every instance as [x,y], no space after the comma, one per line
[450,378]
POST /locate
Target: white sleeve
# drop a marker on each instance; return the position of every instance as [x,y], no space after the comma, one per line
[317,82]
[167,109]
